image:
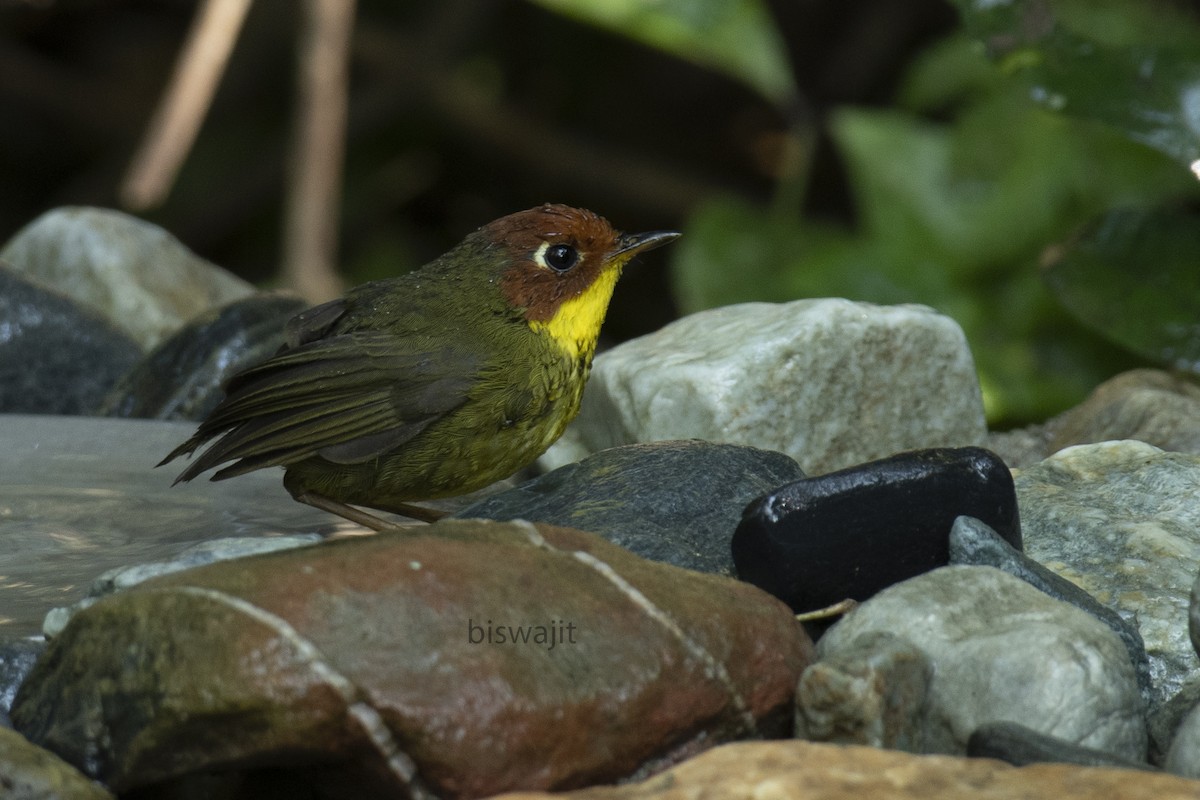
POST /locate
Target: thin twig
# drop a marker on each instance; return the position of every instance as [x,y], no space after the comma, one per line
[177,120]
[310,230]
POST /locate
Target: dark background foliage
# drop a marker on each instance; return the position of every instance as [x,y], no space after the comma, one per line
[907,159]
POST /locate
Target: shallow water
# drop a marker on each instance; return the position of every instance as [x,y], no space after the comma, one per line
[80,495]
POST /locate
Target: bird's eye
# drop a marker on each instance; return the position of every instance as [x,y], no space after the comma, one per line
[560,257]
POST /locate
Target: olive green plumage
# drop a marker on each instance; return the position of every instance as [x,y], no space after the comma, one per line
[362,414]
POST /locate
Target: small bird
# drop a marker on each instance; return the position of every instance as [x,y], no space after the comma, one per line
[434,383]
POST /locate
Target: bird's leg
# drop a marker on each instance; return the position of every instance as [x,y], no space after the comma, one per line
[366,518]
[346,511]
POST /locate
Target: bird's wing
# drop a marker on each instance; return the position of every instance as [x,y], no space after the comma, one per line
[348,398]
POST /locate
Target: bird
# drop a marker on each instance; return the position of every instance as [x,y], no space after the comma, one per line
[431,384]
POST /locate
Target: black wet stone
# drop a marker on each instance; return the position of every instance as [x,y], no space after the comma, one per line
[182,377]
[17,657]
[675,502]
[974,543]
[55,356]
[851,533]
[1020,746]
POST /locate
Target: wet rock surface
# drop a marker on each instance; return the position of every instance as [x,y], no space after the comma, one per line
[181,378]
[674,502]
[544,639]
[818,541]
[55,356]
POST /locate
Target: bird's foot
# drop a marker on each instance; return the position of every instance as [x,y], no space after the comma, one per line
[365,518]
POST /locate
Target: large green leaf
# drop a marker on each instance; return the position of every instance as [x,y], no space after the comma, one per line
[737,37]
[1094,67]
[1134,276]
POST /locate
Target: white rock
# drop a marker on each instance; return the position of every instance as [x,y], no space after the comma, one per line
[831,383]
[135,274]
[1004,652]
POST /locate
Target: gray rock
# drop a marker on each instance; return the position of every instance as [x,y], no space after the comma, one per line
[1148,405]
[1184,756]
[1165,720]
[1021,746]
[674,502]
[1003,651]
[831,383]
[1120,520]
[55,357]
[872,692]
[183,376]
[27,772]
[974,543]
[16,659]
[1194,615]
[114,580]
[129,271]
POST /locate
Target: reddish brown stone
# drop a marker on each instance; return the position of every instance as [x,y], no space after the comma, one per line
[373,652]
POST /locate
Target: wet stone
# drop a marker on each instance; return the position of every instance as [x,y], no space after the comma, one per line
[55,356]
[852,533]
[182,377]
[27,772]
[673,502]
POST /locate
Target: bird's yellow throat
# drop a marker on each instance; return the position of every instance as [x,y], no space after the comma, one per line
[575,326]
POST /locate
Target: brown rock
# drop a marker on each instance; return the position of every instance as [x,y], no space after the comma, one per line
[28,772]
[373,655]
[809,771]
[1148,405]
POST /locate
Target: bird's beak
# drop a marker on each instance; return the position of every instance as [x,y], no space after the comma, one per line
[631,244]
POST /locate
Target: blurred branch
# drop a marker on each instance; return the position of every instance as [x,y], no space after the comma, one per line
[189,95]
[311,223]
[533,143]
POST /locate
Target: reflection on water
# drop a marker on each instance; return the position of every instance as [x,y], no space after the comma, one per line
[80,495]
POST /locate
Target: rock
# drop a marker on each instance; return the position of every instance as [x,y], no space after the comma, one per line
[674,502]
[974,543]
[872,692]
[182,377]
[55,357]
[1148,405]
[1120,520]
[831,383]
[462,658]
[808,771]
[1017,745]
[130,272]
[1194,615]
[851,533]
[1183,758]
[1003,651]
[119,578]
[28,772]
[16,660]
[1164,720]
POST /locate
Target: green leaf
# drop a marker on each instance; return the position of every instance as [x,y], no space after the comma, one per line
[736,37]
[1133,275]
[1093,67]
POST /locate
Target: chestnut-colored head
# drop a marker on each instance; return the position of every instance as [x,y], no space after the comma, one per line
[557,253]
